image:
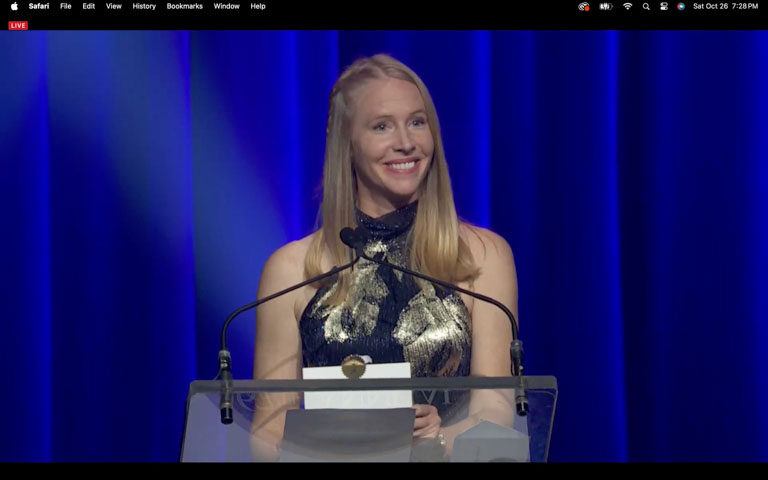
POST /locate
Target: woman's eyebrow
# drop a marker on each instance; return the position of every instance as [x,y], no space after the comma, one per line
[386,116]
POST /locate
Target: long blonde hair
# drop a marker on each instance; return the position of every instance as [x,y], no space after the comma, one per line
[437,249]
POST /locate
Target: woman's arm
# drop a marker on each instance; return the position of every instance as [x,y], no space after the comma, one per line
[491,331]
[278,348]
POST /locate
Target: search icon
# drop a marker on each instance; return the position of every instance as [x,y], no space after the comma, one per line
[646,6]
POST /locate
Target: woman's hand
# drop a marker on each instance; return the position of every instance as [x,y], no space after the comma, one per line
[427,422]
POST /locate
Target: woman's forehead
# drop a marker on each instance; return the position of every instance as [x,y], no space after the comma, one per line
[388,96]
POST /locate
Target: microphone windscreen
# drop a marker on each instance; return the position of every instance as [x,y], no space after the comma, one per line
[349,237]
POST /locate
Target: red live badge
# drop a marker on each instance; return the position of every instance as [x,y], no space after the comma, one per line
[18,25]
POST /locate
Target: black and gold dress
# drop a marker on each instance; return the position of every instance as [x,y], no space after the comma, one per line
[386,316]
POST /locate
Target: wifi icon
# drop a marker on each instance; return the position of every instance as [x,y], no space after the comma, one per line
[584,6]
[627,5]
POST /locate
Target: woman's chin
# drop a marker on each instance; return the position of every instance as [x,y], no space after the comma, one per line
[402,189]
[403,196]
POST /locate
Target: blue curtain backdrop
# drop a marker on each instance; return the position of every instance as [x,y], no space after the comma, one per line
[145,177]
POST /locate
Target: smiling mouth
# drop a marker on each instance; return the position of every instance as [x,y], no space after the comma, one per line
[403,165]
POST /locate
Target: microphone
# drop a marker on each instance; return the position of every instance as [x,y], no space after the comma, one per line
[225,358]
[356,239]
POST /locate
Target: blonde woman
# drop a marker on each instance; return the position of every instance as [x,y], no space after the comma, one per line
[385,171]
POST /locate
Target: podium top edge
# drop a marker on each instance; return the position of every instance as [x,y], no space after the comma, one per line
[418,383]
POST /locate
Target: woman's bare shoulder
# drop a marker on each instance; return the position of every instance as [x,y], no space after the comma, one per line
[486,245]
[296,250]
[287,262]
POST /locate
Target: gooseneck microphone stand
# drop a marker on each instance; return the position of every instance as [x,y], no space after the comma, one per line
[225,359]
[356,239]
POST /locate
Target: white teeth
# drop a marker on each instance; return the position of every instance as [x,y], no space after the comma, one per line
[402,166]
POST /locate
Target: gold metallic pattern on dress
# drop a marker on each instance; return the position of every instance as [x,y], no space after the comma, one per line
[358,313]
[385,315]
[433,330]
[392,255]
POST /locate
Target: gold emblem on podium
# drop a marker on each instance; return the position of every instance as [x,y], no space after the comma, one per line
[353,366]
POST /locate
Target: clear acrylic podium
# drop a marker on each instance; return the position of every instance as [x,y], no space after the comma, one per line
[477,417]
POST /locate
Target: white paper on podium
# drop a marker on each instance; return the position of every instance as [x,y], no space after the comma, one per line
[359,399]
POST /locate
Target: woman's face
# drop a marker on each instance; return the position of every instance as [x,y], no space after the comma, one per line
[391,144]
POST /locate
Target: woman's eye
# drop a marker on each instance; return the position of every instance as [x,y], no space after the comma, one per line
[419,122]
[380,127]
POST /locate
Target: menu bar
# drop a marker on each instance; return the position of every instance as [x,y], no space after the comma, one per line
[390,15]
